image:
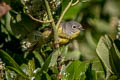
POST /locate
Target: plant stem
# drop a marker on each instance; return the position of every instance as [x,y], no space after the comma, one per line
[63,13]
[77,1]
[51,18]
[65,10]
[47,21]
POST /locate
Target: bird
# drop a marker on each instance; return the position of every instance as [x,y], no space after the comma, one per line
[67,31]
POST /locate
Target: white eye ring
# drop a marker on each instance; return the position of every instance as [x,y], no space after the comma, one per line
[74,26]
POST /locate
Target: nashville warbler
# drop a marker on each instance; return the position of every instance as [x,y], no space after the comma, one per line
[66,32]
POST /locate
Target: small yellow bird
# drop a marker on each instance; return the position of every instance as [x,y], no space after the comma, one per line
[66,32]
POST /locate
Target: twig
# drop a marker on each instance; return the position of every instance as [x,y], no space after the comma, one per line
[48,21]
[65,10]
[63,13]
[75,3]
[51,18]
[59,64]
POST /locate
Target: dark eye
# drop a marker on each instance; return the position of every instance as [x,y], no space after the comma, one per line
[73,26]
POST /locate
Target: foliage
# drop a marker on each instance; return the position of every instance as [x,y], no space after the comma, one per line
[93,55]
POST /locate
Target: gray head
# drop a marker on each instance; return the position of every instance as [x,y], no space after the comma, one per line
[71,27]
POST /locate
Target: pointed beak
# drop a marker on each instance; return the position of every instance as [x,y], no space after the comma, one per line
[81,28]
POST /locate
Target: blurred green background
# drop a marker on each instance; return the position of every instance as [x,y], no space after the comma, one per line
[98,17]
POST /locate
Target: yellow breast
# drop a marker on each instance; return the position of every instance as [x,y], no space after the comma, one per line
[64,38]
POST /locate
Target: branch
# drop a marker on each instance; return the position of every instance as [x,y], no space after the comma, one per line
[63,13]
[75,3]
[47,21]
[65,10]
[51,18]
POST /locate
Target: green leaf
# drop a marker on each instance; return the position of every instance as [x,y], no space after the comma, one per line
[7,22]
[64,50]
[115,59]
[9,75]
[16,70]
[45,76]
[31,67]
[24,68]
[54,58]
[98,68]
[46,64]
[64,4]
[74,11]
[38,57]
[74,71]
[44,68]
[70,14]
[91,74]
[109,54]
[23,25]
[102,50]
[13,64]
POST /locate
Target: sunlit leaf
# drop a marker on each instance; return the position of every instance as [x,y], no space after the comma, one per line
[74,71]
[109,54]
[102,49]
